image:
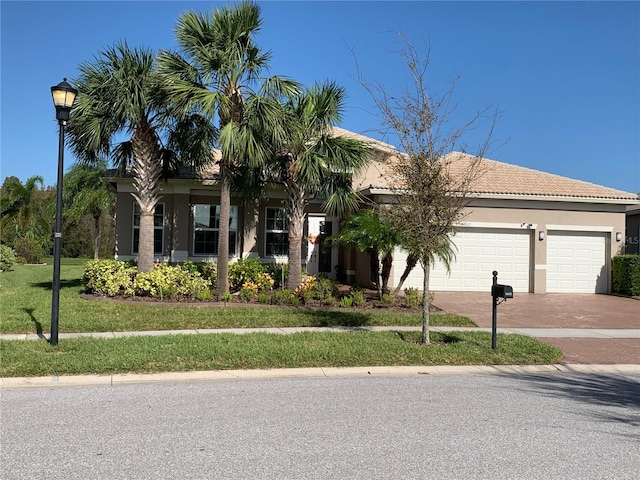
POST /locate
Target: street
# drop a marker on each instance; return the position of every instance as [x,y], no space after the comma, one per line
[553,426]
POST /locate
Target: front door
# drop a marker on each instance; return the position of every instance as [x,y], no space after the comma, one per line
[318,258]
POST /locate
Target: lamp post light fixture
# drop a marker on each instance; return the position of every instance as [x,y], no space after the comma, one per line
[63,96]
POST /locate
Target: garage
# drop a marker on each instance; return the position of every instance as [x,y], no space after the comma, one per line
[480,252]
[576,262]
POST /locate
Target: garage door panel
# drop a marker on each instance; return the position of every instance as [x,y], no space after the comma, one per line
[576,262]
[479,253]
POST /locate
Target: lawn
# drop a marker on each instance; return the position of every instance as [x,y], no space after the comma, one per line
[25,307]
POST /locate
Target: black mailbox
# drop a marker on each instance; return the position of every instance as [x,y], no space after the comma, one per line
[501,291]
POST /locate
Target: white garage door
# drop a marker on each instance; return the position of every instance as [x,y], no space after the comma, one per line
[576,262]
[480,252]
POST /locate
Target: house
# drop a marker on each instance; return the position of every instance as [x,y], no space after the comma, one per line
[632,234]
[541,232]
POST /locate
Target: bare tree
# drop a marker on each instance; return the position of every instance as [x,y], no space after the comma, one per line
[431,177]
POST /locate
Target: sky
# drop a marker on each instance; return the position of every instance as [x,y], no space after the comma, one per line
[564,75]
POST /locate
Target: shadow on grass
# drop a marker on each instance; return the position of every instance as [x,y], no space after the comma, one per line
[333,318]
[75,283]
[29,311]
[594,390]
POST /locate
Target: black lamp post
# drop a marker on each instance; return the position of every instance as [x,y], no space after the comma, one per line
[63,96]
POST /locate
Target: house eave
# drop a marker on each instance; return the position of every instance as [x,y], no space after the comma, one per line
[521,196]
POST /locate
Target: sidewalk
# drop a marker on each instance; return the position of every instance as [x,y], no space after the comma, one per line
[585,333]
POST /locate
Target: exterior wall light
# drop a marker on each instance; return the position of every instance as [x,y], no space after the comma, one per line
[540,235]
[618,236]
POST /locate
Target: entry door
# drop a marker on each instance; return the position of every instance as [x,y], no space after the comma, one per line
[318,259]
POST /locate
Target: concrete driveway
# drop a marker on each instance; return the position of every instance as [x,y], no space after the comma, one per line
[528,310]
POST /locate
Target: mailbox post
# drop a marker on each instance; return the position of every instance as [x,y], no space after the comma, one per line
[497,291]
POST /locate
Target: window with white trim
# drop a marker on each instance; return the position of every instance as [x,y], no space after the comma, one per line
[206,227]
[158,228]
[277,232]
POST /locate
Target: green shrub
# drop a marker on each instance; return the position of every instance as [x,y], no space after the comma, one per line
[243,271]
[263,298]
[346,302]
[226,298]
[166,281]
[282,297]
[29,249]
[295,301]
[323,287]
[626,274]
[108,277]
[209,271]
[388,300]
[7,258]
[279,273]
[358,297]
[248,291]
[412,298]
[204,295]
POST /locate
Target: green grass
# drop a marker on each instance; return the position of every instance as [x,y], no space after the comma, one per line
[264,351]
[25,307]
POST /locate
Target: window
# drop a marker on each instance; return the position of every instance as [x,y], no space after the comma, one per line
[158,228]
[206,224]
[277,236]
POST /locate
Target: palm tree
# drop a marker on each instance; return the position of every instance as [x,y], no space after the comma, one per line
[312,161]
[214,75]
[120,94]
[84,193]
[367,232]
[23,212]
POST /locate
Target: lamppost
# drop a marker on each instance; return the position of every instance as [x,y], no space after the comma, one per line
[63,96]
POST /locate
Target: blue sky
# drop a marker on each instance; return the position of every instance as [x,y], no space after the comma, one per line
[566,75]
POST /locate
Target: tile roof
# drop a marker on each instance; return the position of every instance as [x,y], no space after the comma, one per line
[499,178]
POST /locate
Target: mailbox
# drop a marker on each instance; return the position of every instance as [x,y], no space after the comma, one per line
[501,291]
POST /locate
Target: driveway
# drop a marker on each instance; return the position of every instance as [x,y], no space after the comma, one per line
[528,310]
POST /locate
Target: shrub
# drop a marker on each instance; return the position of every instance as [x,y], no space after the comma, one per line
[346,302]
[204,295]
[388,300]
[295,301]
[282,297]
[322,287]
[243,271]
[358,298]
[29,249]
[248,291]
[7,258]
[626,274]
[209,271]
[305,288]
[412,298]
[329,299]
[263,298]
[264,282]
[108,277]
[226,298]
[166,281]
[279,273]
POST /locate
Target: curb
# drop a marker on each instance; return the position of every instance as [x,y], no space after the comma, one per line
[318,372]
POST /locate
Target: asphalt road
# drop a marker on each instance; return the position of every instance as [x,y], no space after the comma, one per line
[555,426]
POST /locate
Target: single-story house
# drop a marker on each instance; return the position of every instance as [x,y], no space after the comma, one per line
[632,235]
[541,232]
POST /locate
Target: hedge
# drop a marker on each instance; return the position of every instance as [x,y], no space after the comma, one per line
[626,274]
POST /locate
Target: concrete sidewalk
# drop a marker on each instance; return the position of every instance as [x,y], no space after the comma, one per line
[601,333]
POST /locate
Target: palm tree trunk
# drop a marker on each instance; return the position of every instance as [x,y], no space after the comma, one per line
[295,213]
[147,171]
[426,267]
[412,260]
[96,237]
[387,263]
[222,286]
